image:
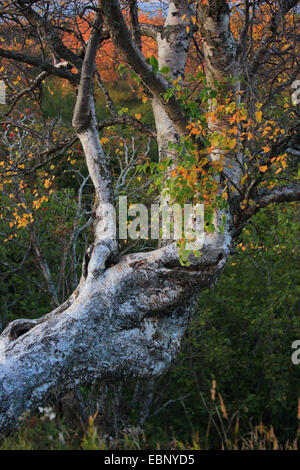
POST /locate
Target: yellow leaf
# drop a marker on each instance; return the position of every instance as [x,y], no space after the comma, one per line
[232,143]
[263,168]
[47,183]
[258,116]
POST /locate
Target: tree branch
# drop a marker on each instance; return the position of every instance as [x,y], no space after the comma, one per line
[50,36]
[134,20]
[155,83]
[264,51]
[39,63]
[264,197]
[127,120]
[150,30]
[285,193]
[86,127]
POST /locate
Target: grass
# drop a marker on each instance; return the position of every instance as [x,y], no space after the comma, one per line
[48,431]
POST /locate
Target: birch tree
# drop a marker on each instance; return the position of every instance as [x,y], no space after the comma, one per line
[128,314]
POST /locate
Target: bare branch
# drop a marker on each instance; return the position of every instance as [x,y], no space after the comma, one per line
[150,30]
[50,36]
[134,19]
[40,63]
[129,121]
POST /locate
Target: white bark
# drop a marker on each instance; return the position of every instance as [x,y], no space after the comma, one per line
[173,44]
[127,321]
[221,65]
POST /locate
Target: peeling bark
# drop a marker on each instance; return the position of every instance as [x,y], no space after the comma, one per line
[173,44]
[221,65]
[128,321]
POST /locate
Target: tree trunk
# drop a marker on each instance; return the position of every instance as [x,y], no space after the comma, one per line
[126,322]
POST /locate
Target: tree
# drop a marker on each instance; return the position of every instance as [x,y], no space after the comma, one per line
[233,147]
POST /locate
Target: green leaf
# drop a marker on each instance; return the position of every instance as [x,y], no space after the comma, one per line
[154,63]
[165,70]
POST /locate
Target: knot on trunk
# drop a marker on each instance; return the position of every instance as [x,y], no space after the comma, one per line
[18,328]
